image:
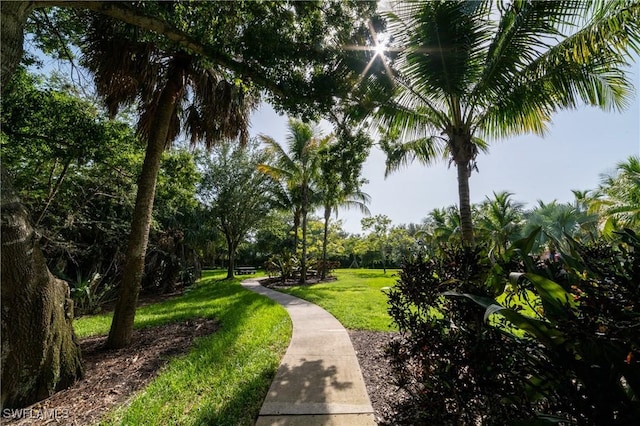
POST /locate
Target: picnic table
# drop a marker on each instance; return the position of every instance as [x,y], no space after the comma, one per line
[244,270]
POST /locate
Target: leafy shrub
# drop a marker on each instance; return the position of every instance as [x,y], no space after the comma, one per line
[561,346]
[90,295]
[588,319]
[282,265]
[457,369]
[328,266]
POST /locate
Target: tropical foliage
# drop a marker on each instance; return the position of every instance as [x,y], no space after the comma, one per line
[297,168]
[464,73]
[560,346]
[617,200]
[80,187]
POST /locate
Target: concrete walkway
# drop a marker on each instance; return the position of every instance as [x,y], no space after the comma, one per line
[319,381]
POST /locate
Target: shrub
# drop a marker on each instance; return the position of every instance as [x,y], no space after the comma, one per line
[283,265]
[90,295]
[561,346]
[456,368]
[329,266]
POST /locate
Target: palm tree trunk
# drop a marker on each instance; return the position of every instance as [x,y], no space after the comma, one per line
[125,310]
[323,267]
[303,260]
[296,226]
[465,205]
[40,354]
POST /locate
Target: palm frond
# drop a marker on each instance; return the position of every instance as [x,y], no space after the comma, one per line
[441,40]
[126,69]
[586,67]
[524,29]
[401,154]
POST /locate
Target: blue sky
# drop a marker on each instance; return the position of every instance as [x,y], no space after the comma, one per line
[579,147]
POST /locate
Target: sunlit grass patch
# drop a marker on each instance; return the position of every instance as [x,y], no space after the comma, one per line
[356,299]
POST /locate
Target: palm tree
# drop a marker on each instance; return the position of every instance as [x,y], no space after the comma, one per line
[500,219]
[297,168]
[441,225]
[472,70]
[174,91]
[335,196]
[339,179]
[556,220]
[617,199]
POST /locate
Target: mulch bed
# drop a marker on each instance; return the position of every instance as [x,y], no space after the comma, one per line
[112,376]
[383,393]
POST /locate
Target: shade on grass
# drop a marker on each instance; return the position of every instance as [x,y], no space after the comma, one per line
[356,299]
[225,376]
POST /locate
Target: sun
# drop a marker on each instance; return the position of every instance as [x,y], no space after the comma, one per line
[380,46]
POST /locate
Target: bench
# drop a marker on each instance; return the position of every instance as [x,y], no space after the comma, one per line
[244,270]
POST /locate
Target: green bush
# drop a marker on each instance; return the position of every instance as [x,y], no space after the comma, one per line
[562,345]
[456,369]
[283,265]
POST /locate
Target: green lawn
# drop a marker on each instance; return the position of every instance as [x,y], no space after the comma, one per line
[356,299]
[225,376]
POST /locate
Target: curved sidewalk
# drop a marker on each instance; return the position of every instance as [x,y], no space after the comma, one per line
[319,381]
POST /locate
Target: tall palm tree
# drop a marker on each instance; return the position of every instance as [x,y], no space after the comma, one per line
[174,92]
[297,167]
[472,70]
[339,180]
[617,199]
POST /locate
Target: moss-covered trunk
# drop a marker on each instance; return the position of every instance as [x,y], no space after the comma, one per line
[40,354]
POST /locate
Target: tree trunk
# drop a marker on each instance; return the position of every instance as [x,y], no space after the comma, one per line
[465,204]
[14,17]
[40,354]
[384,257]
[303,260]
[231,247]
[323,269]
[125,309]
[296,226]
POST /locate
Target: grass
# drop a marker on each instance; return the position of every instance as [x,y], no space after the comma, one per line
[356,299]
[225,376]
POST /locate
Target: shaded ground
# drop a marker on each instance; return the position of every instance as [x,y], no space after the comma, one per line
[113,376]
[369,347]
